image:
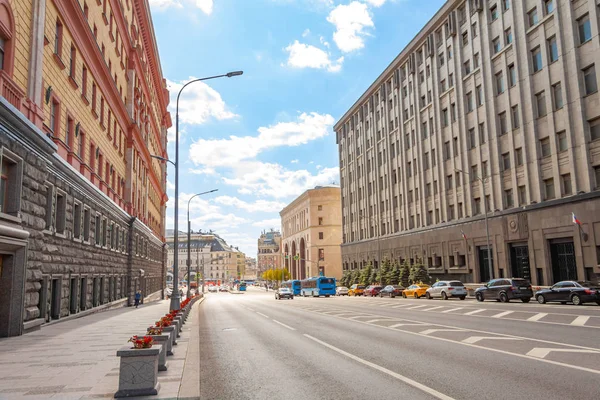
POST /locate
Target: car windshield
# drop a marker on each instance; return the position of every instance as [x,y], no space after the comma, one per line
[456,284]
[282,290]
[520,282]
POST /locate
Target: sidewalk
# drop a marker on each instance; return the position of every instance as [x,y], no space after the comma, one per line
[77,359]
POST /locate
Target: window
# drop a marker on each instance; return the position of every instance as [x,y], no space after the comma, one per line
[522,195]
[557,94]
[443,85]
[496,45]
[545,147]
[505,161]
[320,220]
[477,206]
[532,17]
[475,60]
[552,49]
[465,38]
[447,154]
[102,112]
[589,79]
[519,156]
[505,5]
[470,103]
[503,124]
[86,224]
[494,12]
[69,132]
[585,29]
[84,82]
[453,110]
[467,65]
[81,145]
[499,83]
[540,102]
[58,37]
[77,220]
[508,37]
[479,92]
[320,235]
[597,175]
[481,133]
[562,141]
[441,58]
[514,113]
[54,116]
[97,230]
[321,254]
[449,182]
[512,75]
[474,30]
[451,212]
[536,58]
[10,182]
[549,189]
[72,62]
[445,117]
[549,6]
[472,140]
[320,207]
[474,174]
[449,51]
[94,98]
[484,169]
[595,129]
[60,214]
[508,199]
[566,184]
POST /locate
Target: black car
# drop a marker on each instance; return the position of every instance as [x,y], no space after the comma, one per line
[391,291]
[505,290]
[575,292]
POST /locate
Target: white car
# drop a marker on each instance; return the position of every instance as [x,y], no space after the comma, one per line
[447,289]
[212,289]
[341,291]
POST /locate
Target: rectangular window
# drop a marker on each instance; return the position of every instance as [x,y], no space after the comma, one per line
[474,29]
[545,147]
[98,230]
[499,83]
[449,182]
[321,254]
[597,176]
[562,141]
[505,5]
[585,29]
[10,184]
[320,235]
[474,174]
[72,62]
[494,12]
[60,212]
[503,124]
[508,198]
[320,220]
[519,156]
[589,79]
[522,195]
[514,113]
[449,51]
[69,132]
[54,116]
[77,220]
[58,37]
[512,75]
[549,6]
[557,94]
[484,169]
[508,37]
[567,189]
[445,117]
[496,46]
[104,232]
[477,206]
[505,161]
[470,102]
[479,95]
[81,145]
[467,65]
[549,189]
[102,112]
[481,133]
[595,129]
[532,17]
[451,212]
[84,81]
[447,154]
[94,98]
[552,49]
[536,59]
[465,38]
[540,102]
[86,224]
[472,139]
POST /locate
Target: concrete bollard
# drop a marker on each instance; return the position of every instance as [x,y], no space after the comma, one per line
[138,371]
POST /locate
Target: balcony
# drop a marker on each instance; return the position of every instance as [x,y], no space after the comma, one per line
[10,91]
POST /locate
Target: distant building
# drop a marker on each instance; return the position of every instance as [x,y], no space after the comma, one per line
[250,270]
[312,233]
[269,251]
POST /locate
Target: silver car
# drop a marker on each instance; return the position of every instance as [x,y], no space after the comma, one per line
[341,291]
[446,289]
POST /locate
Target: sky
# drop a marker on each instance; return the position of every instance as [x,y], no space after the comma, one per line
[265,137]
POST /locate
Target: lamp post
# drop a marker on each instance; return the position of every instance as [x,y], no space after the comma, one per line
[487,228]
[189,254]
[175,299]
[378,238]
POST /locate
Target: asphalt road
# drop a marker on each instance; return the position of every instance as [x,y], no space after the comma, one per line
[255,347]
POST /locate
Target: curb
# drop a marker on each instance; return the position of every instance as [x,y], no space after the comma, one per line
[190,379]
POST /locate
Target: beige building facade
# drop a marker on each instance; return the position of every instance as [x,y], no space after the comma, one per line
[493,109]
[312,234]
[269,251]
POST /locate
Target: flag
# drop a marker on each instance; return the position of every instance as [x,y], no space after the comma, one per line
[463,234]
[575,220]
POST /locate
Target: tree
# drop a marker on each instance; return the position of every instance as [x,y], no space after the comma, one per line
[374,275]
[365,274]
[345,278]
[383,275]
[420,274]
[405,274]
[354,277]
[394,274]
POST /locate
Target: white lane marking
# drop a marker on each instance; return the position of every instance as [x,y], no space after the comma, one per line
[284,325]
[415,307]
[537,316]
[259,313]
[401,305]
[361,316]
[502,314]
[430,331]
[475,311]
[452,309]
[475,339]
[396,375]
[404,324]
[542,352]
[378,319]
[433,308]
[580,321]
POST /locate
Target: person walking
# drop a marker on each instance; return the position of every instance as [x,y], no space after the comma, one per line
[138,297]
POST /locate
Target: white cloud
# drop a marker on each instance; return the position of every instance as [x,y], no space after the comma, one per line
[164,4]
[257,206]
[203,171]
[307,56]
[170,185]
[206,6]
[198,103]
[350,21]
[273,180]
[306,32]
[216,221]
[318,166]
[230,151]
[376,3]
[294,161]
[197,205]
[323,41]
[274,223]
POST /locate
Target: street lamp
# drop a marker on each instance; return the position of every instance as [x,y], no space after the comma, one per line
[189,254]
[175,299]
[487,229]
[378,237]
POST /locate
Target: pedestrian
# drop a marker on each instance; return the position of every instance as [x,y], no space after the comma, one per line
[138,297]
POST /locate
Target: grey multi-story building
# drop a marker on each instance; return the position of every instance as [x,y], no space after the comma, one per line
[491,110]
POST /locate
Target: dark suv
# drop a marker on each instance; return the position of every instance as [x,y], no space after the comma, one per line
[505,290]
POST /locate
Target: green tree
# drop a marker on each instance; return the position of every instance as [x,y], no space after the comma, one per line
[354,277]
[374,275]
[420,274]
[383,273]
[393,277]
[405,274]
[365,274]
[345,278]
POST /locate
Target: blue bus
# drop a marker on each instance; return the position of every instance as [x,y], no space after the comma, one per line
[294,286]
[318,286]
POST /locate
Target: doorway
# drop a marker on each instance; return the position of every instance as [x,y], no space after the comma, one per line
[55,298]
[564,265]
[484,263]
[519,260]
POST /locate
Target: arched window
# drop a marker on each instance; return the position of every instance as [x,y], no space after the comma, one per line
[7,27]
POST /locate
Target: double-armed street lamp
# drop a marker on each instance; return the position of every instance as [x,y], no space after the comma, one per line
[487,229]
[175,298]
[189,255]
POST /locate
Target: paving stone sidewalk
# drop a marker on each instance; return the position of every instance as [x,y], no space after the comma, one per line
[77,359]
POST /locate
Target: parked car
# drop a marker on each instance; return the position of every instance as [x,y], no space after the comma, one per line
[570,291]
[372,290]
[505,290]
[284,293]
[341,291]
[446,289]
[223,289]
[212,289]
[356,290]
[415,291]
[391,291]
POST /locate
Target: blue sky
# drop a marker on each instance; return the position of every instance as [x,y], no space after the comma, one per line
[265,137]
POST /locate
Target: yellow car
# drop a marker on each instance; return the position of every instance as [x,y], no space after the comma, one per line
[356,290]
[415,291]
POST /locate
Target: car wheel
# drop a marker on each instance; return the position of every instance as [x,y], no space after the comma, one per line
[503,297]
[444,296]
[404,295]
[427,295]
[598,302]
[392,296]
[541,299]
[479,296]
[462,297]
[526,300]
[416,295]
[576,300]
[292,298]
